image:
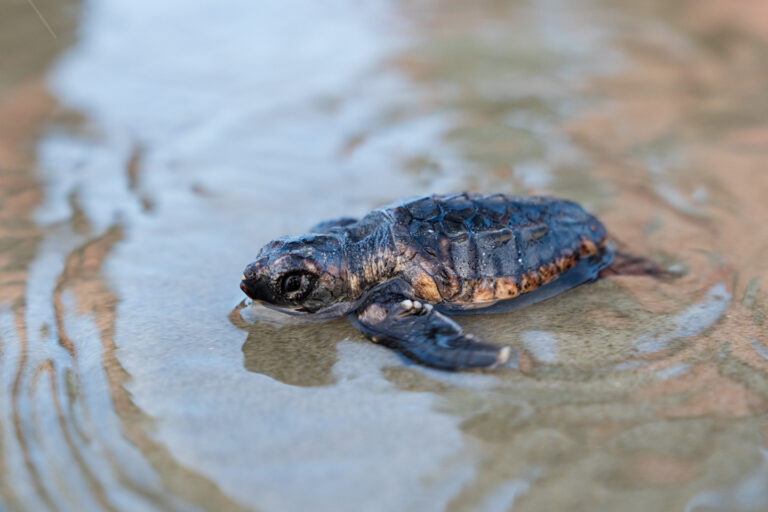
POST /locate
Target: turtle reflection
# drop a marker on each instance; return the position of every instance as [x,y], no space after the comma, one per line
[299,355]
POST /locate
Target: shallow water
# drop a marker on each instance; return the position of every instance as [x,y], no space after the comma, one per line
[150,148]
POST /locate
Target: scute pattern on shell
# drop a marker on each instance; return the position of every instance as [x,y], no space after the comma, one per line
[482,248]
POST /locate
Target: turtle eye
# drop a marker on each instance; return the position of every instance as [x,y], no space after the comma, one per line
[296,286]
[292,283]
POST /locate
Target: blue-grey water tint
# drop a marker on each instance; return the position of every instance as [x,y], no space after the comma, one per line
[157,145]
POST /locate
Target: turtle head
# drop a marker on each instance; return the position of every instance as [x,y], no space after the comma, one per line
[297,274]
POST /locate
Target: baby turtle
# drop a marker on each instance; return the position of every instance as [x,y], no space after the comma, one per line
[398,271]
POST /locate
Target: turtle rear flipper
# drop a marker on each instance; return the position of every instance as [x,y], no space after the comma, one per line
[626,264]
[419,332]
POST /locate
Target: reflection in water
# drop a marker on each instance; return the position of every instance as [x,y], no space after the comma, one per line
[281,350]
[284,355]
[129,386]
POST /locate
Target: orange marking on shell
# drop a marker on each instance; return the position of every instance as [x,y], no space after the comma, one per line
[566,261]
[548,272]
[506,288]
[448,282]
[467,293]
[529,282]
[587,248]
[425,288]
[484,289]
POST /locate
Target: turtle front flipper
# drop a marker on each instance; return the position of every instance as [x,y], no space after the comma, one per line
[419,332]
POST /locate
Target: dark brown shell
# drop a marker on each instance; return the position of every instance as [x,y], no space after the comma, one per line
[474,249]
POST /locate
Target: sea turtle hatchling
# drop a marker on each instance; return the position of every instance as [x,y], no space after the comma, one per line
[398,271]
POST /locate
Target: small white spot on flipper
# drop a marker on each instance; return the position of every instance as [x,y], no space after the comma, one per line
[373,314]
[502,358]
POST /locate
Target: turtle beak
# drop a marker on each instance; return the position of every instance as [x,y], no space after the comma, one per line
[258,288]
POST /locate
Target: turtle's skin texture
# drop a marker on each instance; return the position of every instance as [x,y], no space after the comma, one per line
[397,271]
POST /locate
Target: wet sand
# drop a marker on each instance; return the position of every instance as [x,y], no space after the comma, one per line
[147,152]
